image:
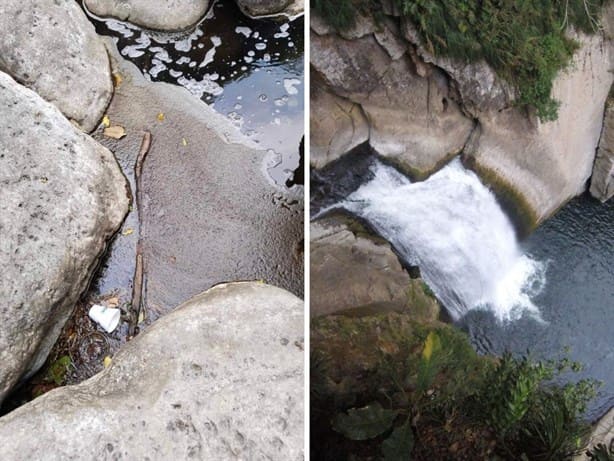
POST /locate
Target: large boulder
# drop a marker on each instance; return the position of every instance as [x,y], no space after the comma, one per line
[52,48]
[539,166]
[221,377]
[62,195]
[352,271]
[413,120]
[602,181]
[166,15]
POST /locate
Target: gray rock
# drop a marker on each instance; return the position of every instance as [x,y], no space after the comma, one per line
[602,181]
[413,121]
[543,165]
[363,25]
[602,433]
[477,83]
[221,377]
[256,8]
[62,195]
[319,25]
[167,15]
[389,37]
[210,214]
[52,48]
[336,126]
[352,271]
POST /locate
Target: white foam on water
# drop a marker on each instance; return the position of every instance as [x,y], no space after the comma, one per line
[452,227]
[243,30]
[289,85]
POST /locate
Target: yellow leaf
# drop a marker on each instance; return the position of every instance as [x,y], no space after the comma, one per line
[117,79]
[107,361]
[128,231]
[160,117]
[184,142]
[115,132]
[106,121]
[430,345]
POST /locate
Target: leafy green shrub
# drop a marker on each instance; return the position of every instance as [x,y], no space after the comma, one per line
[532,416]
[524,41]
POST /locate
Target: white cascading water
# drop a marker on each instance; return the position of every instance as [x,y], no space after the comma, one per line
[452,227]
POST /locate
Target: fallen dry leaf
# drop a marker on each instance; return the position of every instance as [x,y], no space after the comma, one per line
[113,302]
[160,117]
[117,79]
[128,231]
[115,132]
[106,122]
[107,361]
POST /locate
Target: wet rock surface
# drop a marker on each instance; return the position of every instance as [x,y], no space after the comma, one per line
[62,196]
[52,48]
[221,377]
[602,181]
[355,272]
[209,214]
[262,7]
[168,15]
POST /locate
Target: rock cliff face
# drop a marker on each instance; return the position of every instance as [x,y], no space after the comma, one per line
[422,109]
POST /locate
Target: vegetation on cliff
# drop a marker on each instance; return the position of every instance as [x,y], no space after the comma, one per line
[525,42]
[389,387]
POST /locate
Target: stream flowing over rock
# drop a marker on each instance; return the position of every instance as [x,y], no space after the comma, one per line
[221,377]
[220,219]
[421,110]
[62,195]
[167,15]
[602,182]
[52,48]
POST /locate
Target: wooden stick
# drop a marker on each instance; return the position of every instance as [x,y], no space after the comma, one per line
[137,285]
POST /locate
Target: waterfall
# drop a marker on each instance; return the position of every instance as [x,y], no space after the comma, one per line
[452,227]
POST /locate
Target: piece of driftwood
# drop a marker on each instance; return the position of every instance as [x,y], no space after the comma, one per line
[137,283]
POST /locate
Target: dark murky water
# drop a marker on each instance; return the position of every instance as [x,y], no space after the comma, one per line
[250,70]
[577,303]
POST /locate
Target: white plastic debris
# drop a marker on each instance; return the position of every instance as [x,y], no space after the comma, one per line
[106,317]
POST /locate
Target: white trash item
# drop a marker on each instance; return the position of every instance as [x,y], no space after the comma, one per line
[106,317]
